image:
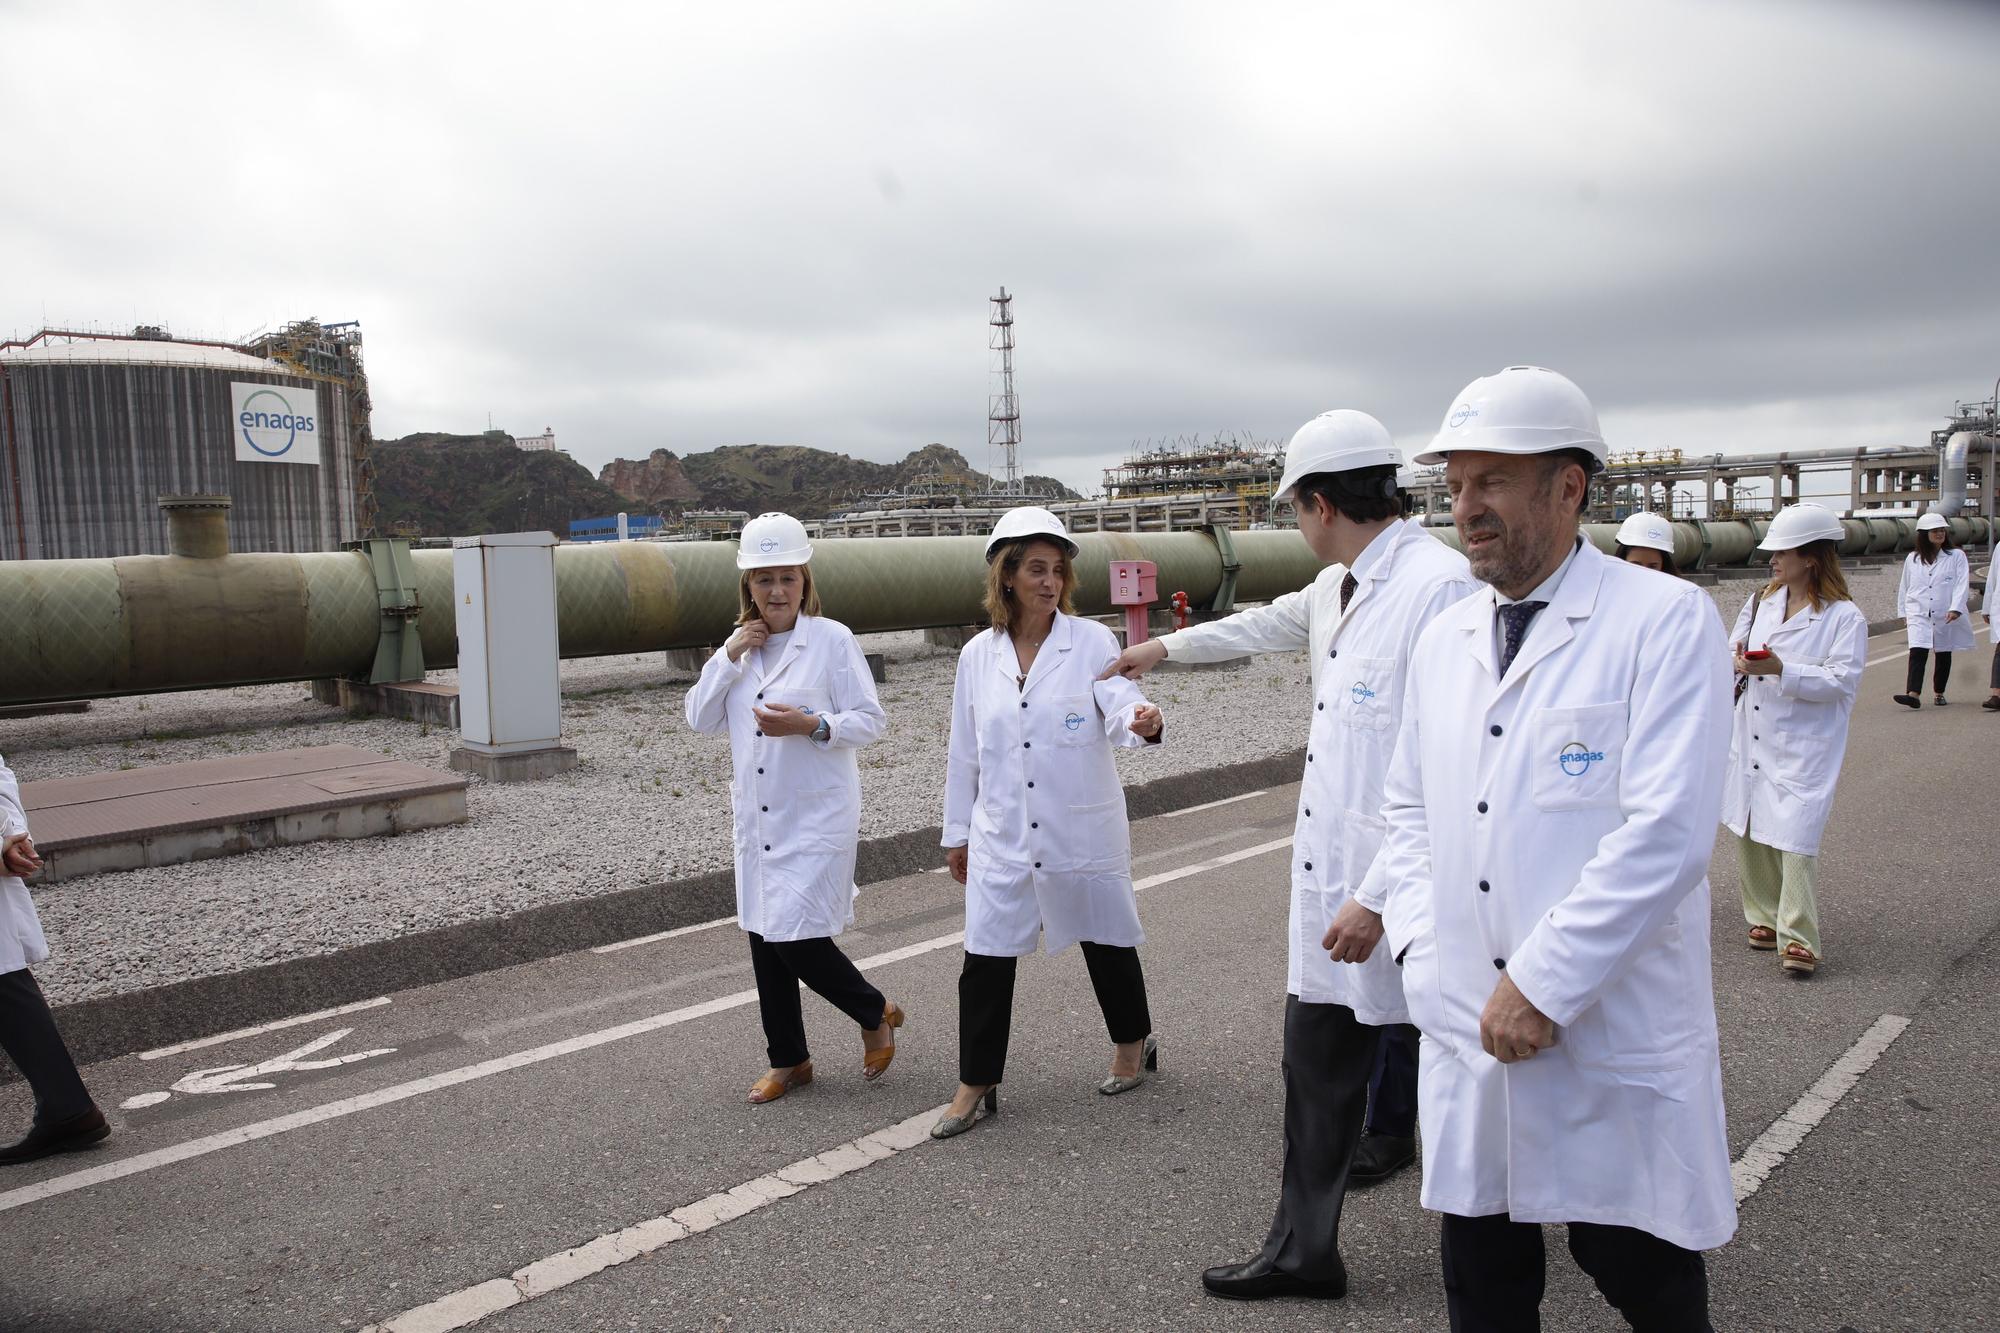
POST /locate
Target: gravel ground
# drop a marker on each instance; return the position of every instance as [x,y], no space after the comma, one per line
[650,804]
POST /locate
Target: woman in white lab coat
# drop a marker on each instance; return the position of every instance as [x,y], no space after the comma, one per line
[794,694]
[1648,540]
[1987,608]
[1034,816]
[1801,644]
[1936,581]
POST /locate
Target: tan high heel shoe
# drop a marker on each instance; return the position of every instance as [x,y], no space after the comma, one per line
[874,1063]
[769,1089]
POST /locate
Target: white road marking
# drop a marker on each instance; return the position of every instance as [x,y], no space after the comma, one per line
[221,1037]
[1749,1172]
[451,1078]
[469,1306]
[673,934]
[1227,800]
[231,1078]
[1903,653]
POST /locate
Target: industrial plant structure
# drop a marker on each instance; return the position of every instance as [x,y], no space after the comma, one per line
[95,428]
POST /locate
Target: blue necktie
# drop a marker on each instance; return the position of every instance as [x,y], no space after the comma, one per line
[1515,617]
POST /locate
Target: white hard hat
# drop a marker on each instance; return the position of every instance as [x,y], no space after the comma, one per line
[1798,524]
[1648,530]
[1337,441]
[1931,521]
[1028,521]
[773,539]
[1520,410]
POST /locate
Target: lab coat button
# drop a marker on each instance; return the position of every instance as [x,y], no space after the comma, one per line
[1484,887]
[1500,963]
[767,846]
[1027,745]
[1030,785]
[1309,865]
[1038,865]
[1033,824]
[760,770]
[1482,807]
[1333,652]
[1496,728]
[1320,707]
[765,808]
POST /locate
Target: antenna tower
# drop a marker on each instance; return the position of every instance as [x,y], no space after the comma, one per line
[1003,409]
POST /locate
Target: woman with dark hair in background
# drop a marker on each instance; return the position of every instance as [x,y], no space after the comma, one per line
[1802,645]
[1647,539]
[1932,594]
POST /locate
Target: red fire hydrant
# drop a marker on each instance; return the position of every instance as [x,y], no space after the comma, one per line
[1179,602]
[1134,586]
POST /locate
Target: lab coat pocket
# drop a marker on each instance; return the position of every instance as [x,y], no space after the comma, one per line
[819,701]
[825,823]
[1642,1025]
[1578,755]
[1361,838]
[1423,989]
[1366,688]
[1097,837]
[1076,721]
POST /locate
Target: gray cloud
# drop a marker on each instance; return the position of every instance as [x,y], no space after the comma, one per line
[1742,225]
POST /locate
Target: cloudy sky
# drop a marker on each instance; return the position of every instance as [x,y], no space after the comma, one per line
[1738,225]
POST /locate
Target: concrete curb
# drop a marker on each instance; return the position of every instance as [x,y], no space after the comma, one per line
[117,1025]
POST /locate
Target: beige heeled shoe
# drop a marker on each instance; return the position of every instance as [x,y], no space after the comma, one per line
[769,1088]
[875,1063]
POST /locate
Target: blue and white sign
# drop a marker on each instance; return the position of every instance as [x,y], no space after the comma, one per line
[274,423]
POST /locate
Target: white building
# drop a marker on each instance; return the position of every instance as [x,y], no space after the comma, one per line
[543,443]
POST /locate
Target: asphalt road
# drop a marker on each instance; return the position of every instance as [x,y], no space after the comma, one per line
[497,1120]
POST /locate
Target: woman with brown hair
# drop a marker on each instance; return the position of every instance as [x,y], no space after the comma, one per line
[1936,582]
[1034,816]
[794,694]
[1801,645]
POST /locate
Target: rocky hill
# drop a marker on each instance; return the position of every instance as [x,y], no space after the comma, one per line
[806,482]
[437,485]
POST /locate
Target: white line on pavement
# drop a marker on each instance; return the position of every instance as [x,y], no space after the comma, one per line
[472,1304]
[221,1037]
[1904,652]
[1749,1172]
[673,934]
[450,1078]
[1227,800]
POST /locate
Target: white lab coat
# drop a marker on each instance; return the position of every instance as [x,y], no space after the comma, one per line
[1032,792]
[1789,731]
[797,802]
[1929,593]
[1358,663]
[21,942]
[1557,824]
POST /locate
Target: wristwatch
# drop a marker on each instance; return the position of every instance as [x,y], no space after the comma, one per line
[823,732]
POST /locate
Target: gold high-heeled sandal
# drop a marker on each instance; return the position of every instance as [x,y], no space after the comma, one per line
[873,1063]
[769,1089]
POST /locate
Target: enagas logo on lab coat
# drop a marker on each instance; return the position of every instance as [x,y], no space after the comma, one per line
[1073,721]
[1360,692]
[1576,758]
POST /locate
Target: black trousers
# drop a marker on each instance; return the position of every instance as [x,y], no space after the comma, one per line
[1392,1092]
[29,1036]
[1939,675]
[1328,1058]
[781,966]
[1994,681]
[1493,1275]
[986,1006]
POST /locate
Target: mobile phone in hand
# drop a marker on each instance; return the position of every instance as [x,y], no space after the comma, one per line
[1756,654]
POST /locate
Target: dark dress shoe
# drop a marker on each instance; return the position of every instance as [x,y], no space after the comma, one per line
[1258,1281]
[79,1131]
[1379,1157]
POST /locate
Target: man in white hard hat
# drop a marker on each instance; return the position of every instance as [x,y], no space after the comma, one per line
[1385,579]
[1543,880]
